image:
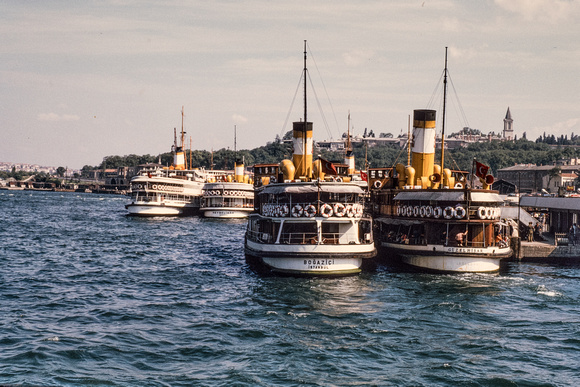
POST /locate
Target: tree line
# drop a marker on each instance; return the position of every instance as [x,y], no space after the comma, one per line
[495,154]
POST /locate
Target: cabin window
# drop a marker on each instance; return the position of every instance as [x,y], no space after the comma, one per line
[299,233]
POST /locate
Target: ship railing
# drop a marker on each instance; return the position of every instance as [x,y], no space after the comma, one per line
[312,238]
[299,238]
[258,236]
[336,239]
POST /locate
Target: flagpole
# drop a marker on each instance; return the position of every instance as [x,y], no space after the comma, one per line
[472,169]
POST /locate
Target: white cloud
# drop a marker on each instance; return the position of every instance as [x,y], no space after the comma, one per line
[357,57]
[550,11]
[53,117]
[239,118]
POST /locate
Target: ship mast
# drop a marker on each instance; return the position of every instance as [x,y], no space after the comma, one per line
[183,137]
[348,143]
[304,137]
[444,103]
[409,141]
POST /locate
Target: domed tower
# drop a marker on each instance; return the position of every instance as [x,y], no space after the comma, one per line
[508,126]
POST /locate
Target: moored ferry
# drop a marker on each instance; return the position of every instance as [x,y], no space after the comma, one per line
[162,191]
[434,218]
[228,196]
[306,222]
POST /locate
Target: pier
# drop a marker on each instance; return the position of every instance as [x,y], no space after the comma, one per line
[547,251]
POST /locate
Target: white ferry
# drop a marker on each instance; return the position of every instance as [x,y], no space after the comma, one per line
[160,191]
[306,223]
[228,196]
[165,192]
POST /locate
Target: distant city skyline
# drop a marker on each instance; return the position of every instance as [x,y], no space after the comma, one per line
[86,80]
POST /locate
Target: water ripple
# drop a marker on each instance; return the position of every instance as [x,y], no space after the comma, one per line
[89,296]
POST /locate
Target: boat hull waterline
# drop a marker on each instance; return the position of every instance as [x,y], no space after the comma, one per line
[226,213]
[450,259]
[310,259]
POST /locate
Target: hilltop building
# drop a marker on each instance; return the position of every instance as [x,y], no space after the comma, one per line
[508,126]
[556,179]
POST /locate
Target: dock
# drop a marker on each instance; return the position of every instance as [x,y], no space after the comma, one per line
[547,251]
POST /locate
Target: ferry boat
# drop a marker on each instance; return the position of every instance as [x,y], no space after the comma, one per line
[433,218]
[161,191]
[308,223]
[228,196]
[165,192]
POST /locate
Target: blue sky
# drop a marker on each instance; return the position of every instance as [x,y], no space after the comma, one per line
[81,80]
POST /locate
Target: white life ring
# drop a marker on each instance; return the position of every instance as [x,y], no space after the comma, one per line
[339,209]
[459,185]
[459,212]
[416,211]
[437,212]
[339,179]
[377,184]
[273,179]
[349,211]
[326,210]
[398,211]
[488,213]
[297,211]
[154,186]
[139,186]
[309,211]
[359,210]
[409,211]
[481,213]
[448,212]
[428,211]
[423,211]
[284,210]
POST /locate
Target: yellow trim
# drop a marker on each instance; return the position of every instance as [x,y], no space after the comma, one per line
[423,124]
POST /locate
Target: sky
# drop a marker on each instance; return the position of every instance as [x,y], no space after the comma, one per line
[82,80]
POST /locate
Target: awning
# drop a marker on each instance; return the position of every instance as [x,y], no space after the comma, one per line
[447,196]
[486,197]
[554,203]
[397,221]
[303,188]
[511,212]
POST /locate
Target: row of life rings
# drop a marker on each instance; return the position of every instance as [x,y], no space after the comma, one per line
[225,193]
[488,212]
[281,210]
[309,210]
[457,212]
[157,187]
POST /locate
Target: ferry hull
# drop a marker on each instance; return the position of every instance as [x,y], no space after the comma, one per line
[136,209]
[311,260]
[453,264]
[225,213]
[451,259]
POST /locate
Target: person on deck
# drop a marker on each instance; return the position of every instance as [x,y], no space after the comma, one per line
[530,232]
[460,238]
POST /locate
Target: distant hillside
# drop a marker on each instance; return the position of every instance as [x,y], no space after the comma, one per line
[496,154]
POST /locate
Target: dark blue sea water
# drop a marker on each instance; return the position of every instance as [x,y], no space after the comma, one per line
[89,296]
